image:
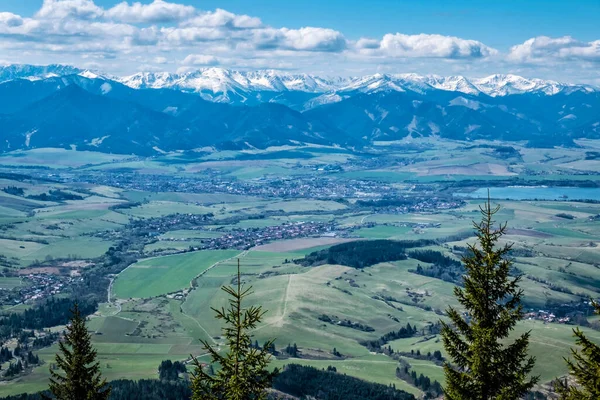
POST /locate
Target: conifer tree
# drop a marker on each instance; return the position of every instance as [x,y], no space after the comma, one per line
[484,366]
[81,378]
[585,369]
[243,373]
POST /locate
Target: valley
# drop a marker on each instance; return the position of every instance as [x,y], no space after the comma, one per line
[152,238]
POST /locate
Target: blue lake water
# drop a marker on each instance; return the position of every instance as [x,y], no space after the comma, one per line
[535,192]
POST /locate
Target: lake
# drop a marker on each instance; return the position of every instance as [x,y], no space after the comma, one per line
[535,192]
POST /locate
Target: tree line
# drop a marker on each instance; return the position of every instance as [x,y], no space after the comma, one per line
[52,312]
[363,253]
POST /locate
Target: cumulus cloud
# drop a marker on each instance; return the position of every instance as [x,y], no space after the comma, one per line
[425,46]
[313,39]
[200,60]
[366,43]
[303,39]
[192,35]
[158,11]
[193,61]
[10,20]
[60,9]
[543,48]
[146,34]
[222,18]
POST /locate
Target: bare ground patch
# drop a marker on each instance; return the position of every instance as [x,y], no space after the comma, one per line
[42,270]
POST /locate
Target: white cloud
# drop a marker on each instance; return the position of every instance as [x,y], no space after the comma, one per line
[192,35]
[200,60]
[425,46]
[542,49]
[151,34]
[59,9]
[303,39]
[313,39]
[193,61]
[158,11]
[222,18]
[366,43]
[10,20]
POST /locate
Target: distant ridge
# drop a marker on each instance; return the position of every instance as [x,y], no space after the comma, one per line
[226,85]
[150,113]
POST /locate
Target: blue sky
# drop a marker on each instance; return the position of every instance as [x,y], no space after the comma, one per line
[548,39]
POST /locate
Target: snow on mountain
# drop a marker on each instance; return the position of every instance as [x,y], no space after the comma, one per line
[453,84]
[502,85]
[219,80]
[89,74]
[34,72]
[230,86]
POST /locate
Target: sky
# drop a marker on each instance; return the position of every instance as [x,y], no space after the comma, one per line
[550,39]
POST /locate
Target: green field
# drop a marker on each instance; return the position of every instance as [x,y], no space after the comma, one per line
[161,304]
[10,283]
[162,275]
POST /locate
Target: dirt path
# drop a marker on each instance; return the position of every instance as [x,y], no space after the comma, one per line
[241,255]
[285,303]
[199,326]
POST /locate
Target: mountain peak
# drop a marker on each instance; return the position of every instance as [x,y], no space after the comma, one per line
[218,84]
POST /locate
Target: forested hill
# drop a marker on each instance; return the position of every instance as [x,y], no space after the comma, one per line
[363,253]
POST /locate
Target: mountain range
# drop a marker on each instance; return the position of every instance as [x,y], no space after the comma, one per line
[149,113]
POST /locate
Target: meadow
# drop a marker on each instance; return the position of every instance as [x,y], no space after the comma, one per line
[163,275]
[161,304]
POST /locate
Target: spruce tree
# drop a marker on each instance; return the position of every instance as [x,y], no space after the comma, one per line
[585,369]
[484,365]
[81,378]
[243,373]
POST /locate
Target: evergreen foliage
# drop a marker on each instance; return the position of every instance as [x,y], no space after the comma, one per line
[292,350]
[14,369]
[52,312]
[81,378]
[144,389]
[404,332]
[244,373]
[294,380]
[443,267]
[483,366]
[309,382]
[5,355]
[362,253]
[585,368]
[32,359]
[169,370]
[432,389]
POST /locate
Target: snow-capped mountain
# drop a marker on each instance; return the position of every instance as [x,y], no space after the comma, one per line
[65,106]
[503,85]
[220,81]
[300,91]
[35,72]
